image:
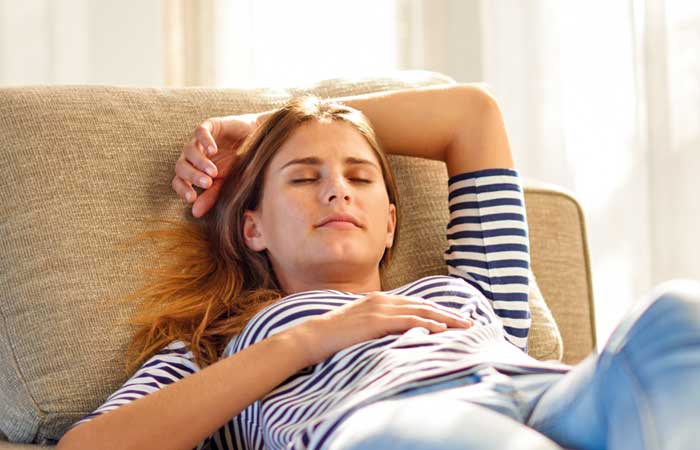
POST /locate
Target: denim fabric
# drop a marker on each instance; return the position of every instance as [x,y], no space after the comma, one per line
[642,392]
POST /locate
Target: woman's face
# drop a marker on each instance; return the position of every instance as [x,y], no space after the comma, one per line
[323,168]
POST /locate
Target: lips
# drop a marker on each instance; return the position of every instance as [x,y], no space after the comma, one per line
[339,217]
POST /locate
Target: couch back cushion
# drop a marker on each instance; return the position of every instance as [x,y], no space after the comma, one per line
[83,168]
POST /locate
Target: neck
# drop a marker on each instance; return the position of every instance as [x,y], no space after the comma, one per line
[292,284]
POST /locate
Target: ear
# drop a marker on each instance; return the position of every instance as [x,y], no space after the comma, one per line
[252,231]
[391,226]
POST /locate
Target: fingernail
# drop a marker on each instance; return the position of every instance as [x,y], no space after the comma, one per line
[211,149]
[189,196]
[203,181]
[209,171]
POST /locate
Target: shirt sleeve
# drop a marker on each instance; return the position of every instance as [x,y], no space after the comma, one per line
[174,362]
[488,244]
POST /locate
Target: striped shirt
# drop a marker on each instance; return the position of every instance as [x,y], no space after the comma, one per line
[488,267]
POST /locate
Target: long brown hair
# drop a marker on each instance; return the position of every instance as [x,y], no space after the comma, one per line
[213,283]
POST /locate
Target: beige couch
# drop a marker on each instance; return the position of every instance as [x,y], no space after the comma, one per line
[83,167]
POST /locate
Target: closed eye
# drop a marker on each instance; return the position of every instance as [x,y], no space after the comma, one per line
[304,180]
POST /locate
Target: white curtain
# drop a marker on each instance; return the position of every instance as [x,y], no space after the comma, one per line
[189,42]
[281,43]
[603,98]
[81,42]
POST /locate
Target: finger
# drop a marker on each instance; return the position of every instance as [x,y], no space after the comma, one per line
[207,199]
[189,173]
[183,189]
[204,133]
[414,299]
[429,312]
[183,167]
[406,322]
[195,155]
[423,304]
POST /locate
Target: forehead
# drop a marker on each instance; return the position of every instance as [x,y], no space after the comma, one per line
[326,142]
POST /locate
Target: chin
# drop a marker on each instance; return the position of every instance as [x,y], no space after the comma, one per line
[339,265]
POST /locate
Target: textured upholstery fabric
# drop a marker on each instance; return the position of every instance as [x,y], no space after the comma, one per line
[85,166]
[560,260]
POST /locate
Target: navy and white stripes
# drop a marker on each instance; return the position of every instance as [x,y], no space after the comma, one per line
[488,244]
[169,365]
[488,266]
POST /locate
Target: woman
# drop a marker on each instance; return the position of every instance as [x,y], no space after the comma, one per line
[293,343]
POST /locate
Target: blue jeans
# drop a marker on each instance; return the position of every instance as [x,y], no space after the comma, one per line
[641,392]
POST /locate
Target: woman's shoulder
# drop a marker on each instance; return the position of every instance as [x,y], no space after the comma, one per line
[176,355]
[176,346]
[175,350]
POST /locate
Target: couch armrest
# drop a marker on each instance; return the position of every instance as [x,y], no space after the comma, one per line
[561,264]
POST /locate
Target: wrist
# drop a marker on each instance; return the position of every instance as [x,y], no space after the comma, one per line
[301,339]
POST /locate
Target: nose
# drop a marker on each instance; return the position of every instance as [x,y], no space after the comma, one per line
[336,188]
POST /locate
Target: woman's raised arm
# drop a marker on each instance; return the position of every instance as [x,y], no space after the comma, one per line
[460,124]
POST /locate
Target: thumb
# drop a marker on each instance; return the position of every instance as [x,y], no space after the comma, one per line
[207,199]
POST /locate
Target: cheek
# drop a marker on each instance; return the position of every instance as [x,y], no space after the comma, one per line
[380,205]
[378,218]
[287,210]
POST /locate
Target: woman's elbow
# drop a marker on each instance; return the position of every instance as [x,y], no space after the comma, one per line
[479,96]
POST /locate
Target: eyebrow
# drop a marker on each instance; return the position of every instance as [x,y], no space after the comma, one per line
[315,161]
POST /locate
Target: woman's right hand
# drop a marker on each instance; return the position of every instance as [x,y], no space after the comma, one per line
[208,157]
[374,316]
